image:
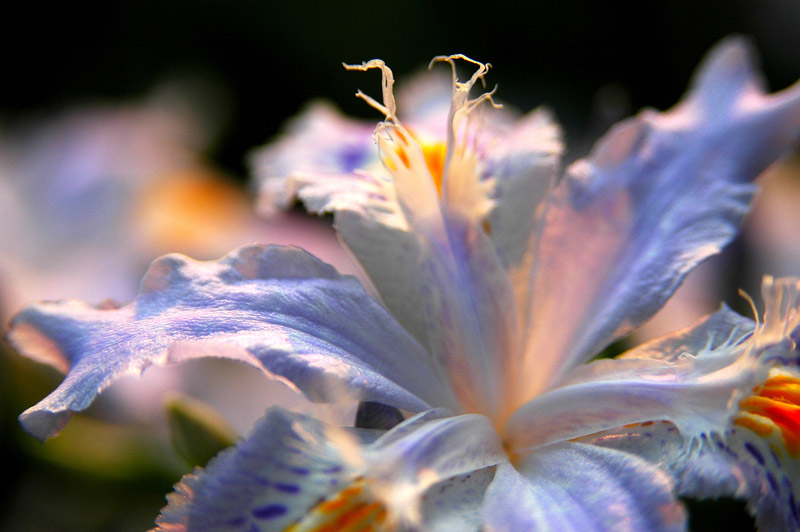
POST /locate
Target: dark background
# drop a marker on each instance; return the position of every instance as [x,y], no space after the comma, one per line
[266,59]
[271,57]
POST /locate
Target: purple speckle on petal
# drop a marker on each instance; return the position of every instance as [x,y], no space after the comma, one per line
[794,507]
[299,471]
[332,470]
[270,511]
[756,454]
[287,488]
[772,482]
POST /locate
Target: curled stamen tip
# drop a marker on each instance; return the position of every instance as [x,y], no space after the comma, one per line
[451,58]
[366,65]
[388,108]
[479,74]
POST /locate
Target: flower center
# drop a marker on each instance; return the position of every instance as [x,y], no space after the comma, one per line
[434,153]
[773,411]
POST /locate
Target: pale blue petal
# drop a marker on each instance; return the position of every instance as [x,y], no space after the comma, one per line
[657,195]
[291,465]
[734,464]
[709,333]
[574,487]
[265,483]
[693,380]
[445,446]
[279,309]
[454,504]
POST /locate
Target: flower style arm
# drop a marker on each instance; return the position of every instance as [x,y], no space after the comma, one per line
[657,195]
[278,309]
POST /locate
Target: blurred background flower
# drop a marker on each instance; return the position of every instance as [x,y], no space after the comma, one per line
[124,134]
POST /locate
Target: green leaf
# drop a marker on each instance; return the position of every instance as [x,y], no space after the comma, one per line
[198,432]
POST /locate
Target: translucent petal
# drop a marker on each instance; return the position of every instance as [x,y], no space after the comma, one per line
[522,165]
[699,389]
[577,487]
[673,384]
[279,309]
[657,195]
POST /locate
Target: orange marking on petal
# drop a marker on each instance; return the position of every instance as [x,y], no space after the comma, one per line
[401,152]
[762,428]
[399,132]
[786,391]
[434,157]
[351,510]
[776,404]
[788,420]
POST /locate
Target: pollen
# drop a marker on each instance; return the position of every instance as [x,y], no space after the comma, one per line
[352,509]
[774,411]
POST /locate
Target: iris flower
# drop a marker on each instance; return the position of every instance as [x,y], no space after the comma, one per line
[498,282]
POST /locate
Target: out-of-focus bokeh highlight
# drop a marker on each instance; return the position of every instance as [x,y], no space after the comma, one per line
[124,135]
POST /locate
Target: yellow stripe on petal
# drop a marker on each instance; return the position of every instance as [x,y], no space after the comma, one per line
[353,509]
[773,412]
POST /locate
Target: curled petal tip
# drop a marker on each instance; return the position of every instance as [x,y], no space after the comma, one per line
[733,58]
[43,424]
